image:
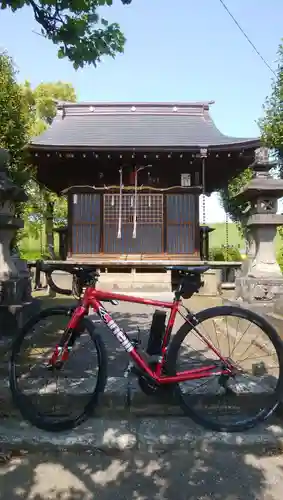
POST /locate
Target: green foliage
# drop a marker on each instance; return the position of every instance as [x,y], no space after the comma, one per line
[237,211]
[271,125]
[15,121]
[231,254]
[82,34]
[35,210]
[44,208]
[26,112]
[279,258]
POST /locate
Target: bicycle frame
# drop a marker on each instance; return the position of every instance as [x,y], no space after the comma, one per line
[93,297]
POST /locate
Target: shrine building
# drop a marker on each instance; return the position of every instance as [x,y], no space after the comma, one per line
[133,174]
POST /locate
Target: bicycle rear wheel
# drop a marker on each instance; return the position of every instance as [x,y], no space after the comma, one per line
[241,402]
[35,386]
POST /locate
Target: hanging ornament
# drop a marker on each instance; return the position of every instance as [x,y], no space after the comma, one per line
[119,233]
[135,199]
[149,201]
[112,201]
[135,204]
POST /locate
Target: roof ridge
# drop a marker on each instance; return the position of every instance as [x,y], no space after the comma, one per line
[147,104]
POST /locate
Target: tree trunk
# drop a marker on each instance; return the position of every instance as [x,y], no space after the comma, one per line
[49,233]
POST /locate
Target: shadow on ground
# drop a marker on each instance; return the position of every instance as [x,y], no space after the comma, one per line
[201,474]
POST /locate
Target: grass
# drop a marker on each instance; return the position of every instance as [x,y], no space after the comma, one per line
[32,248]
[218,237]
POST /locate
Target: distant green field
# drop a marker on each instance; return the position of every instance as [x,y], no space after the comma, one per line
[218,237]
[30,247]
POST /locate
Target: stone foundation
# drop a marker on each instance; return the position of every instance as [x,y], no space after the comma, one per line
[260,292]
[13,317]
[212,283]
[131,280]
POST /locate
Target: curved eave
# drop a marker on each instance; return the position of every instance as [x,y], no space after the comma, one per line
[235,146]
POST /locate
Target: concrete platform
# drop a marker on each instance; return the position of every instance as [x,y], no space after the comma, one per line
[115,402]
[132,280]
[151,435]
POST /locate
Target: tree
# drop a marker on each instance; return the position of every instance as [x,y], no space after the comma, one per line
[271,127]
[15,121]
[271,124]
[237,211]
[44,207]
[82,34]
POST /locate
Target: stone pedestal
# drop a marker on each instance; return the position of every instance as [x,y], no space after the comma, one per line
[261,282]
[16,302]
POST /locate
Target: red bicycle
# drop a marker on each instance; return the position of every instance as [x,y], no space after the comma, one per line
[216,382]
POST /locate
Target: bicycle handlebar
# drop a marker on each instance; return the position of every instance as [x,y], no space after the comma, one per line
[74,269]
[81,272]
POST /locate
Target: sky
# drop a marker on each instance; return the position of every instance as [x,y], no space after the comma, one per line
[181,50]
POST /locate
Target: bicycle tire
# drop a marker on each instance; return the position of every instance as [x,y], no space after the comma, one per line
[176,343]
[22,402]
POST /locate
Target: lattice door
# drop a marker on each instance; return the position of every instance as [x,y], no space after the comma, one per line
[149,224]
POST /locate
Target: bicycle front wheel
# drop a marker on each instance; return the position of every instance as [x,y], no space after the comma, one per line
[61,398]
[221,402]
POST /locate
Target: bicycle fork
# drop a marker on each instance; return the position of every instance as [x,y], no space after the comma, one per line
[62,350]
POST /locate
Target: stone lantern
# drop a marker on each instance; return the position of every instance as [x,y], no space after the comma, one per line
[16,303]
[261,281]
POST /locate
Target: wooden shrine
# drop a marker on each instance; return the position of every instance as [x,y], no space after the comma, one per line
[133,174]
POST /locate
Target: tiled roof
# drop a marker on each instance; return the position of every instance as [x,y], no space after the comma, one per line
[136,125]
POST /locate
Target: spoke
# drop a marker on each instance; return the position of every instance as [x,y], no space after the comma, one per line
[256,357]
[209,379]
[235,337]
[198,351]
[240,339]
[229,350]
[253,343]
[216,334]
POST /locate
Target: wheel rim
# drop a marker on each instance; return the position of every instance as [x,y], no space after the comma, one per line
[230,400]
[55,394]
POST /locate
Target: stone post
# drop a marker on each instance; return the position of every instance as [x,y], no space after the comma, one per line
[16,302]
[261,282]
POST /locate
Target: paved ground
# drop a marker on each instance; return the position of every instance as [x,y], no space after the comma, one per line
[201,475]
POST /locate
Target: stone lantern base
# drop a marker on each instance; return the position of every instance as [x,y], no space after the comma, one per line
[17,304]
[260,294]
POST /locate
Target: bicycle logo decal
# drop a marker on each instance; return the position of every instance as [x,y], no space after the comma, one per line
[119,334]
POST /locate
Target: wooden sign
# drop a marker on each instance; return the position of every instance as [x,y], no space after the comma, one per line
[185,180]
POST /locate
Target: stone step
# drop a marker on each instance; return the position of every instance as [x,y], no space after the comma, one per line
[115,401]
[148,434]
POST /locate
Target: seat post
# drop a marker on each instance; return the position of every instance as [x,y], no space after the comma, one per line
[177,293]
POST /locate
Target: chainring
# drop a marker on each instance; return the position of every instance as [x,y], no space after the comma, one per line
[150,388]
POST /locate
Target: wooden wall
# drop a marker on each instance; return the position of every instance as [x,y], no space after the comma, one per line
[166,224]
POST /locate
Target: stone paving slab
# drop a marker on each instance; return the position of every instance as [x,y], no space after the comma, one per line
[151,435]
[138,475]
